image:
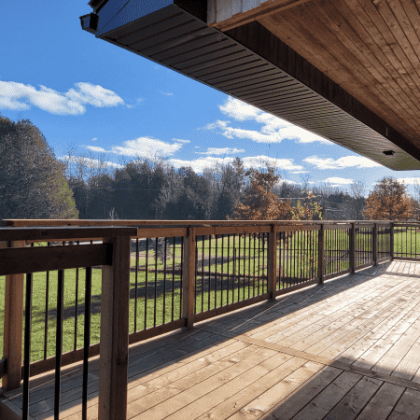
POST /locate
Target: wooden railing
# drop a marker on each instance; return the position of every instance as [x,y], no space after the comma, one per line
[181,273]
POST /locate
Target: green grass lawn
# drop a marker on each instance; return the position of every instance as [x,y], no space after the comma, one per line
[248,265]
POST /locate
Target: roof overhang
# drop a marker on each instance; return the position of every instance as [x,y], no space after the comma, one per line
[250,63]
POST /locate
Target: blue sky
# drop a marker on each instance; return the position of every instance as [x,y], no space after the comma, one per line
[83,92]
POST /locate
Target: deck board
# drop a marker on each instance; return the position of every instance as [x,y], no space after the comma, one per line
[349,349]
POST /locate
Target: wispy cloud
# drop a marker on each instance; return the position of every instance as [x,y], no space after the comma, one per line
[96,149]
[167,93]
[274,130]
[409,180]
[17,96]
[341,163]
[249,162]
[145,147]
[199,164]
[338,181]
[260,162]
[287,181]
[96,138]
[91,163]
[221,151]
[182,141]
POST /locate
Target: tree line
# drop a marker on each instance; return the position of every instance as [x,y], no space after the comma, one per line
[34,184]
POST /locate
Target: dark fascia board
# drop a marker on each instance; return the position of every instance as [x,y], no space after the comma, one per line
[116,13]
[119,19]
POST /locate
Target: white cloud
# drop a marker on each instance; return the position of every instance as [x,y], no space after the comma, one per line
[221,151]
[96,149]
[287,181]
[18,96]
[274,129]
[129,106]
[167,93]
[199,164]
[182,141]
[146,147]
[344,162]
[249,162]
[96,138]
[300,172]
[260,161]
[338,181]
[92,163]
[413,180]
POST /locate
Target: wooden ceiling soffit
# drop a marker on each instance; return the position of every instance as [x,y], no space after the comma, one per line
[174,33]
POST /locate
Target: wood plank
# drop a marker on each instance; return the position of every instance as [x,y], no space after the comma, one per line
[382,403]
[219,395]
[113,369]
[190,389]
[13,332]
[50,233]
[408,408]
[351,405]
[276,394]
[240,399]
[32,260]
[321,405]
[301,397]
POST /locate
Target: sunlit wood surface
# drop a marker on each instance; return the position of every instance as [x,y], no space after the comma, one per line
[347,350]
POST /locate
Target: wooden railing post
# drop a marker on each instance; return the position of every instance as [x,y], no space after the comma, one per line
[391,241]
[321,254]
[188,272]
[13,314]
[375,244]
[272,262]
[113,364]
[352,248]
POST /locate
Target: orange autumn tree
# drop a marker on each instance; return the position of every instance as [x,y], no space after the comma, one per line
[259,202]
[388,201]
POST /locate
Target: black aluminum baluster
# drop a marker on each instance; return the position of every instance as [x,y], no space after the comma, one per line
[59,344]
[146,283]
[209,287]
[76,307]
[27,346]
[156,280]
[164,279]
[47,296]
[173,277]
[136,284]
[86,344]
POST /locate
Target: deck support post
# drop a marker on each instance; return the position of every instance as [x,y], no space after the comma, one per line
[352,248]
[391,241]
[188,285]
[321,254]
[375,244]
[113,364]
[13,315]
[272,262]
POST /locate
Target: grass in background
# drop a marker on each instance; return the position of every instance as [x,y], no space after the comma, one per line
[239,289]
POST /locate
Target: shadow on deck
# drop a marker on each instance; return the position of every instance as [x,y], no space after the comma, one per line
[349,349]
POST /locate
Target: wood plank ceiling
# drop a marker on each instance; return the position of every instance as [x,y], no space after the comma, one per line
[341,84]
[370,48]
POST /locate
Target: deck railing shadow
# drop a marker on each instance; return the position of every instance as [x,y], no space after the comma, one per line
[213,268]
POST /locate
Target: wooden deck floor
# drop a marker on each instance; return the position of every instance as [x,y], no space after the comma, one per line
[347,350]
